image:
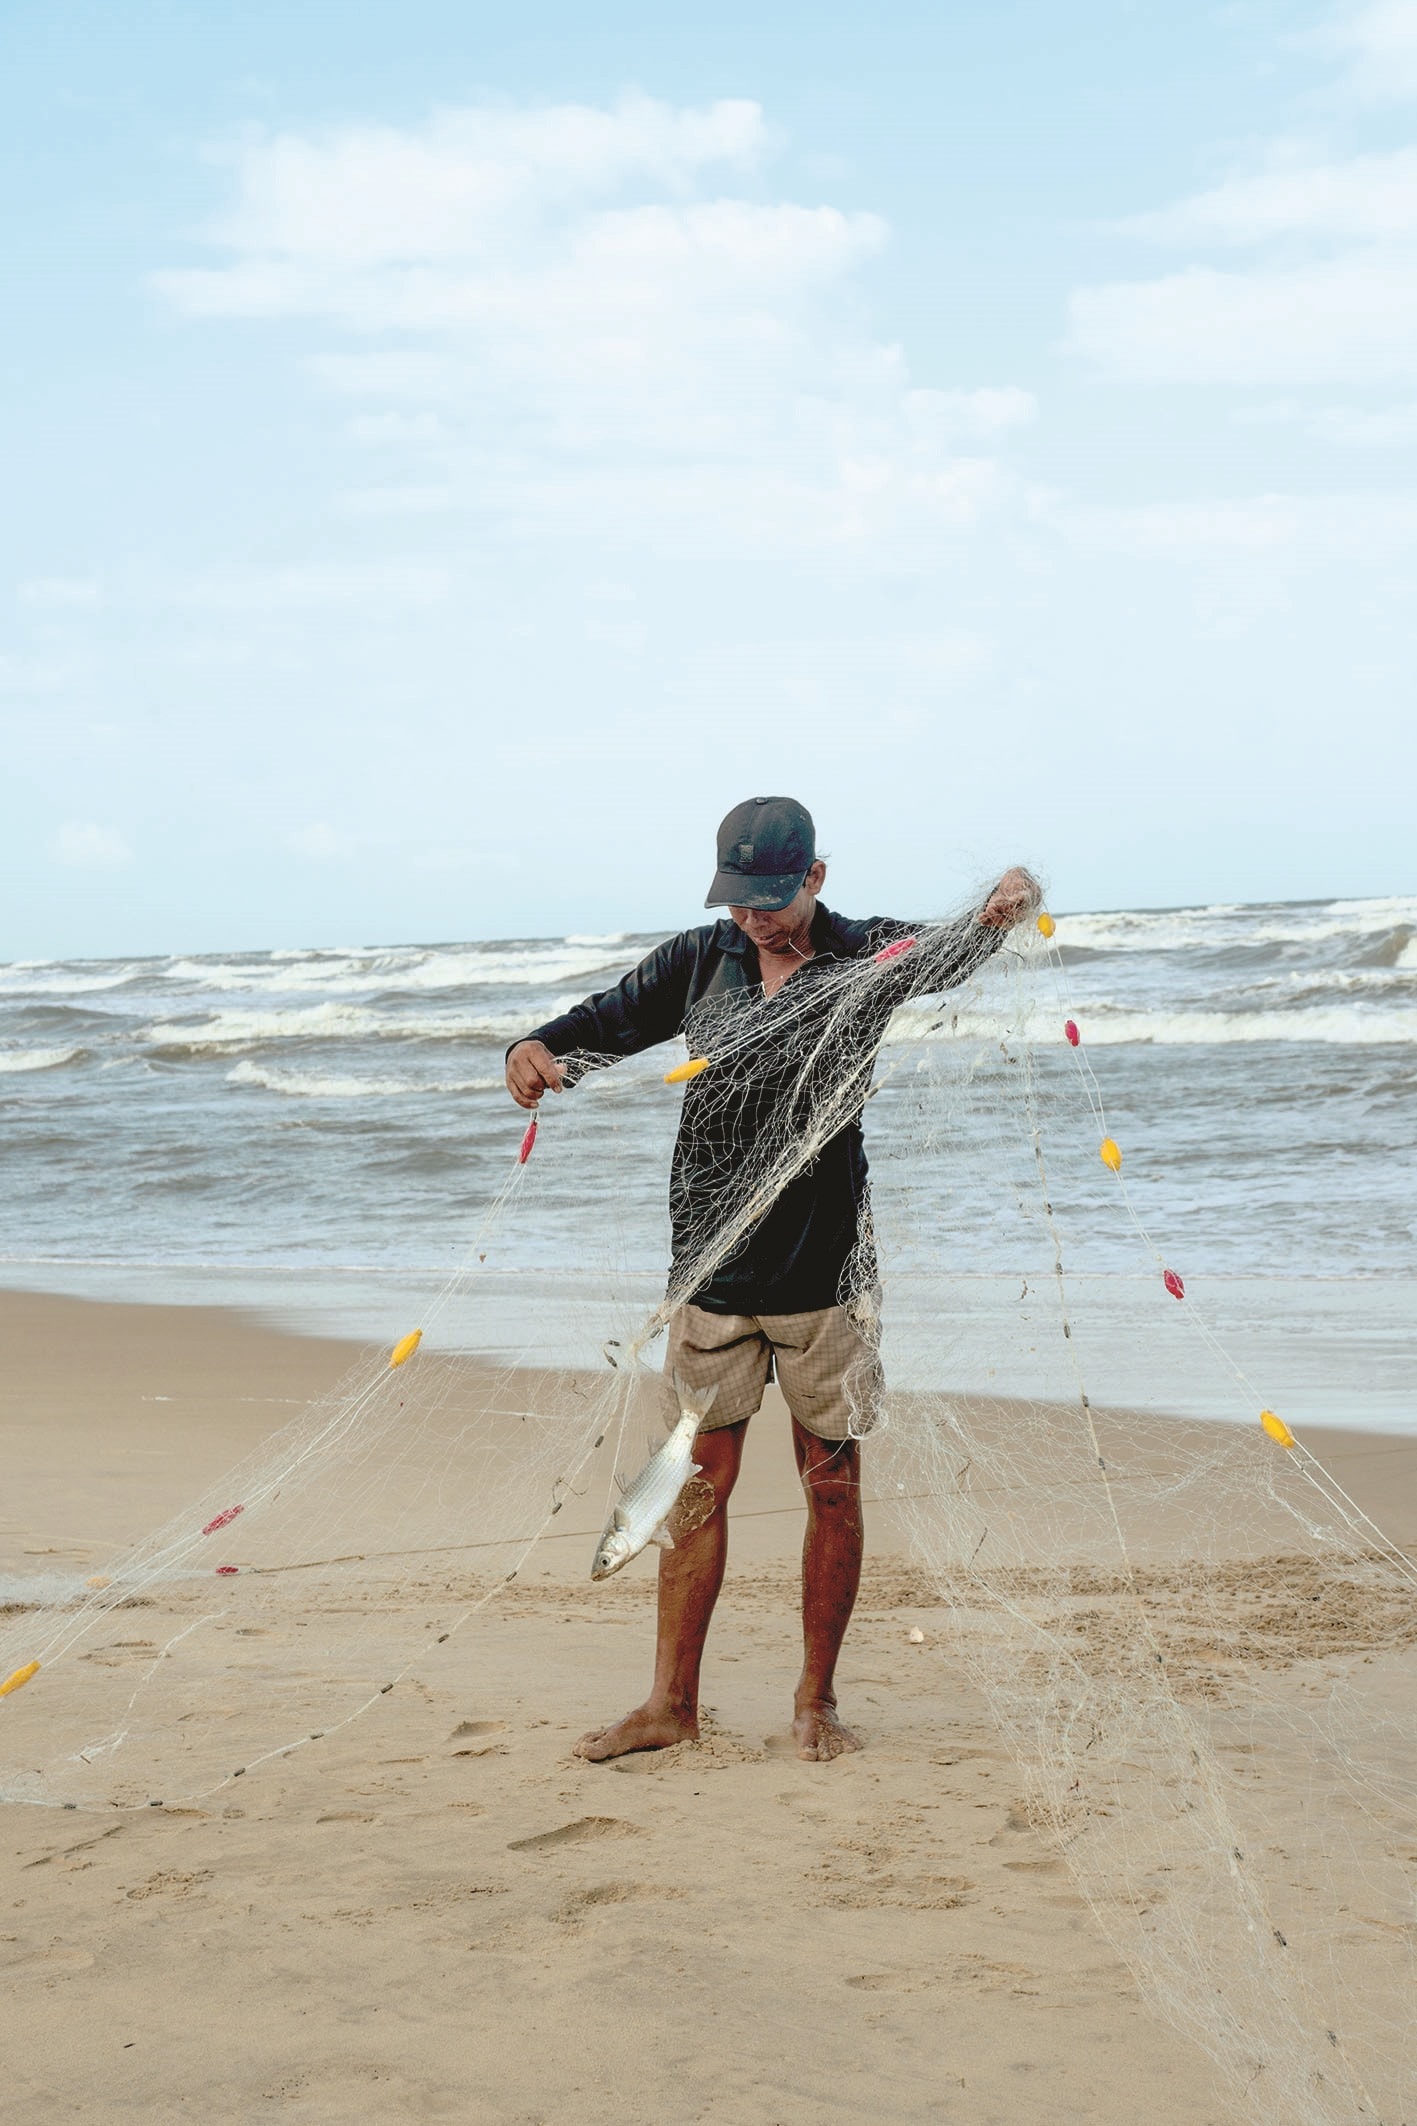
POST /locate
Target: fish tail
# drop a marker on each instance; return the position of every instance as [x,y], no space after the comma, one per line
[697,1400]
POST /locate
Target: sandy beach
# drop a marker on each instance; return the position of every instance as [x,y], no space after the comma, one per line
[439,1912]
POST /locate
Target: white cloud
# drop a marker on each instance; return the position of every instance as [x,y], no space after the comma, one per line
[1330,295]
[1364,196]
[85,846]
[592,316]
[1378,46]
[1351,319]
[364,196]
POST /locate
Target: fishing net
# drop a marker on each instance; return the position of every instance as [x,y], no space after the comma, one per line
[1199,1649]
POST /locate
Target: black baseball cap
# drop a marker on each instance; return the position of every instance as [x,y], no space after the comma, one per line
[766,846]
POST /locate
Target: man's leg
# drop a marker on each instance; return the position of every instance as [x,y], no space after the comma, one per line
[690,1576]
[831,1573]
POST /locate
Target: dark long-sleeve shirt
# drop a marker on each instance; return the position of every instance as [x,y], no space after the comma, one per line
[778,1059]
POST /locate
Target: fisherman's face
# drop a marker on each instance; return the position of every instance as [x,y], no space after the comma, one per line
[773,930]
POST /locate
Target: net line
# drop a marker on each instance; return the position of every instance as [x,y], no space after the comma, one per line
[1228,1778]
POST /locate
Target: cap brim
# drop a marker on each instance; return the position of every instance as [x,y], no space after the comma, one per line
[736,889]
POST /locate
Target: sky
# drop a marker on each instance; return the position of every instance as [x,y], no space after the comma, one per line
[453,453]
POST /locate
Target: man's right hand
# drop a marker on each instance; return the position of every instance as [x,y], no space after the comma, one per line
[531,1071]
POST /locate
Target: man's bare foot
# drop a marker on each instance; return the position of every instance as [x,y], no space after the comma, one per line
[646,1728]
[820,1735]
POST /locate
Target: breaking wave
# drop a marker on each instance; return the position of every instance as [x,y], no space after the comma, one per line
[23,1059]
[1107,1027]
[313,1086]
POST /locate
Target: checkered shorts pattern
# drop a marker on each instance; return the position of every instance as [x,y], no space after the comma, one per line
[827,1365]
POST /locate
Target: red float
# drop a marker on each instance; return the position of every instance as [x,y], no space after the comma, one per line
[893,952]
[223,1519]
[1173,1284]
[223,1570]
[1070,1028]
[527,1142]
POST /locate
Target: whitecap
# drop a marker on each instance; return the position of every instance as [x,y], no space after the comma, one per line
[1104,1026]
[312,1085]
[398,969]
[19,981]
[224,1032]
[1228,924]
[21,1059]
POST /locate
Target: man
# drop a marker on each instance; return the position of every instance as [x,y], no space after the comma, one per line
[764,1285]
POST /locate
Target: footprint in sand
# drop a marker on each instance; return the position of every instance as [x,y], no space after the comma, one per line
[473,1734]
[600,1894]
[575,1833]
[347,1816]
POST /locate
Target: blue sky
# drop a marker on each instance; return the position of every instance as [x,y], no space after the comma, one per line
[448,463]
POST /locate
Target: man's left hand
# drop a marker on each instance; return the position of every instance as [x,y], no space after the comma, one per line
[1017,894]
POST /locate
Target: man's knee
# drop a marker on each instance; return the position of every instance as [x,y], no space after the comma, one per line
[831,1474]
[719,1455]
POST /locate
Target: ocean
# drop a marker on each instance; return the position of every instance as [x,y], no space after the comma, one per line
[270,1126]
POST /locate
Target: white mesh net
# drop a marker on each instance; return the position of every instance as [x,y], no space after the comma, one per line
[1199,1649]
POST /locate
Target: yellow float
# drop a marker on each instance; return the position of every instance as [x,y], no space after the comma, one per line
[1277,1429]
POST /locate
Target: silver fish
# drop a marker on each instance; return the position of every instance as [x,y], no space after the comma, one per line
[642,1514]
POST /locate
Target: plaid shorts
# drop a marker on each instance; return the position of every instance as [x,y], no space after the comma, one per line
[827,1363]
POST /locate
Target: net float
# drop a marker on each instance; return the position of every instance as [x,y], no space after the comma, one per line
[1046,924]
[1277,1429]
[1070,1028]
[1110,1153]
[1173,1284]
[682,1072]
[19,1679]
[405,1347]
[892,952]
[527,1142]
[223,1520]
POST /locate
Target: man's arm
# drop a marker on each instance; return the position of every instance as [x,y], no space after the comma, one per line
[944,954]
[645,1008]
